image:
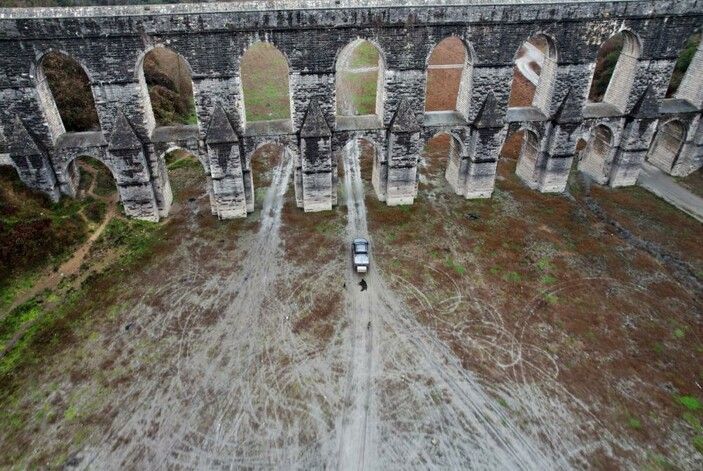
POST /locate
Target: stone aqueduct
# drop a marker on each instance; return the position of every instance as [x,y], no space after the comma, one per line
[633,122]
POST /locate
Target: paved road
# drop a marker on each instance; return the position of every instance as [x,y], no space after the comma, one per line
[665,187]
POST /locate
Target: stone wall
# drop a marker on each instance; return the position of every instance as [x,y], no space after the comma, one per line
[110,43]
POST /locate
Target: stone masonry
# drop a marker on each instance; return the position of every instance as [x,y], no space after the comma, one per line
[633,123]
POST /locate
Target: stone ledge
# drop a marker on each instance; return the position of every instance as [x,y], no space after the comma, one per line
[79,140]
[358,123]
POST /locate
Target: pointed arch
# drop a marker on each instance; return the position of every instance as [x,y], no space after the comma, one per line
[529,155]
[686,81]
[449,77]
[442,155]
[167,88]
[265,84]
[65,94]
[615,68]
[359,82]
[534,74]
[365,155]
[667,144]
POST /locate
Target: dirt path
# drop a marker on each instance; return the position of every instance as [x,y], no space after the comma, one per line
[220,378]
[466,429]
[51,278]
[240,390]
[356,443]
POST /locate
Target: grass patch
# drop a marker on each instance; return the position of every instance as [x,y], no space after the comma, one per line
[134,236]
[36,233]
[364,54]
[12,287]
[551,298]
[693,421]
[450,263]
[46,331]
[13,322]
[544,264]
[265,83]
[512,277]
[185,162]
[698,443]
[690,402]
[547,279]
[634,423]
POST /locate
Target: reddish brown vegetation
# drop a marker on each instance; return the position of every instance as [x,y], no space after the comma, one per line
[71,90]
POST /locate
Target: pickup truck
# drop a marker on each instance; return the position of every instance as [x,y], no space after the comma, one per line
[360,255]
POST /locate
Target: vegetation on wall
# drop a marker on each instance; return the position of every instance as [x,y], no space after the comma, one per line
[265,83]
[607,58]
[170,87]
[166,75]
[70,87]
[682,63]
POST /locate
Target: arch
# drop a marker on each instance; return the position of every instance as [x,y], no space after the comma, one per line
[448,77]
[597,156]
[6,165]
[443,147]
[97,185]
[529,155]
[254,167]
[263,160]
[615,68]
[265,83]
[179,163]
[168,84]
[65,94]
[534,73]
[667,144]
[359,80]
[198,157]
[686,82]
[365,155]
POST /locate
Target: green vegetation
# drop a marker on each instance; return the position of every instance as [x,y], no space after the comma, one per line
[608,56]
[364,55]
[35,233]
[698,443]
[634,423]
[265,83]
[170,87]
[356,89]
[547,279]
[187,162]
[12,323]
[39,328]
[682,63]
[134,236]
[551,298]
[690,402]
[451,263]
